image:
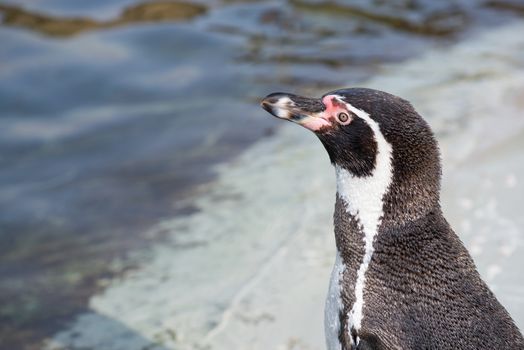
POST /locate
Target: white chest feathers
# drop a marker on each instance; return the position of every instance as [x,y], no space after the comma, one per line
[363,197]
[334,306]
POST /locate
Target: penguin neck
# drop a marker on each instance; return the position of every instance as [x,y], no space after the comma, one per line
[362,199]
[363,195]
[365,206]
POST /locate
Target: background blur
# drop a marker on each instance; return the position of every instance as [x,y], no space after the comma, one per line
[147,202]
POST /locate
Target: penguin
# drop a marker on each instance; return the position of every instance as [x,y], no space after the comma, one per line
[402,278]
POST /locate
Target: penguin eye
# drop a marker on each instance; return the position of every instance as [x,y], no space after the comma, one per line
[342,117]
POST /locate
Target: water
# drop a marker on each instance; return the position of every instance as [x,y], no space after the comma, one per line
[113,114]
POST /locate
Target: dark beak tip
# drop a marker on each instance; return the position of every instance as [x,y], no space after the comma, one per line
[270,100]
[275,97]
[266,105]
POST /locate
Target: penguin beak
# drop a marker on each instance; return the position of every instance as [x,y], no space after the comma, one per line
[304,111]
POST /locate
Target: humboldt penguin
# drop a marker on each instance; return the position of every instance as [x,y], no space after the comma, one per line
[402,278]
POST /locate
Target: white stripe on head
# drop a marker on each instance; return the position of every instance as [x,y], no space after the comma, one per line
[363,197]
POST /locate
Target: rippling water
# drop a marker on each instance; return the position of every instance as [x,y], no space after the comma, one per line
[112,112]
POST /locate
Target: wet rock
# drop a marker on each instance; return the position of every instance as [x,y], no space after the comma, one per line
[514,6]
[162,11]
[19,17]
[440,22]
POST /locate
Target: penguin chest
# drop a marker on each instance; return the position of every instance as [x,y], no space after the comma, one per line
[340,301]
[334,306]
[340,324]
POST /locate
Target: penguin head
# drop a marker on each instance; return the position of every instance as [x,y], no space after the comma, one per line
[367,132]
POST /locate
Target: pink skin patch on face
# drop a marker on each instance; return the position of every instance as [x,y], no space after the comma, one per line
[327,117]
[315,123]
[333,108]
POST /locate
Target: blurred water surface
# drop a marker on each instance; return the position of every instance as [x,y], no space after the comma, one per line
[112,113]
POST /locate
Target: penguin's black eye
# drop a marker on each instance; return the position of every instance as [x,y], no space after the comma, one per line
[343,117]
